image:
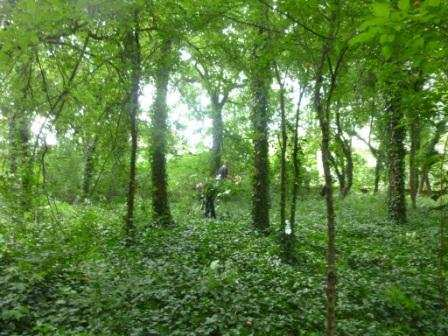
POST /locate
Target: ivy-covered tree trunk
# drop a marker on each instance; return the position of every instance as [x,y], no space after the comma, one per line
[159,130]
[259,83]
[396,160]
[413,166]
[324,124]
[132,44]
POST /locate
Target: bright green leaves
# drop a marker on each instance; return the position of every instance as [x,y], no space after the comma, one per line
[404,5]
[433,3]
[381,9]
[386,50]
[387,38]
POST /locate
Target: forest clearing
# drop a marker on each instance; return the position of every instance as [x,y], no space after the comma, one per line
[209,167]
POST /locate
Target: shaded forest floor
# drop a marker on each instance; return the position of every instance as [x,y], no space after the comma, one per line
[74,276]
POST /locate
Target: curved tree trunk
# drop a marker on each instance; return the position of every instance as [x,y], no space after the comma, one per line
[159,130]
[324,123]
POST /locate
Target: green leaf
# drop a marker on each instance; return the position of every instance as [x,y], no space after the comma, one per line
[387,38]
[433,3]
[381,9]
[387,51]
[418,43]
[404,5]
[363,37]
[377,21]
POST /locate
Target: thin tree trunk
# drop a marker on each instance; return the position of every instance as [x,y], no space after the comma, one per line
[162,213]
[12,142]
[429,153]
[283,145]
[296,166]
[347,170]
[88,169]
[396,156]
[324,123]
[378,168]
[133,47]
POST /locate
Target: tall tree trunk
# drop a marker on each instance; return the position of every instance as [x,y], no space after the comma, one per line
[378,169]
[133,48]
[260,80]
[217,132]
[88,168]
[283,146]
[324,123]
[295,165]
[413,167]
[159,115]
[396,160]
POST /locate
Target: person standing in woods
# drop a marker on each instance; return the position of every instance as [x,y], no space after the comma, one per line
[211,191]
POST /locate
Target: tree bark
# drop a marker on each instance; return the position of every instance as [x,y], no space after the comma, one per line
[260,80]
[283,145]
[346,149]
[378,169]
[413,167]
[296,165]
[396,157]
[159,115]
[324,123]
[133,48]
[88,168]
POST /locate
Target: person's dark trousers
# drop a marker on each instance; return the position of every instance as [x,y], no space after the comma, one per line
[210,207]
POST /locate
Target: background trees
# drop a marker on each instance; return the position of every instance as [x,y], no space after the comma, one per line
[118,106]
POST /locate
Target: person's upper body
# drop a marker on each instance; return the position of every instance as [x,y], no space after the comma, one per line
[222,173]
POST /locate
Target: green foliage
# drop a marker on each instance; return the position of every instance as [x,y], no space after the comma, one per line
[74,276]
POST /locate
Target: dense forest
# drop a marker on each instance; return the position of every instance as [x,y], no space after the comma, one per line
[210,167]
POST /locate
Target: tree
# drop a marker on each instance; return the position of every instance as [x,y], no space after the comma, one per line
[132,47]
[159,129]
[259,82]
